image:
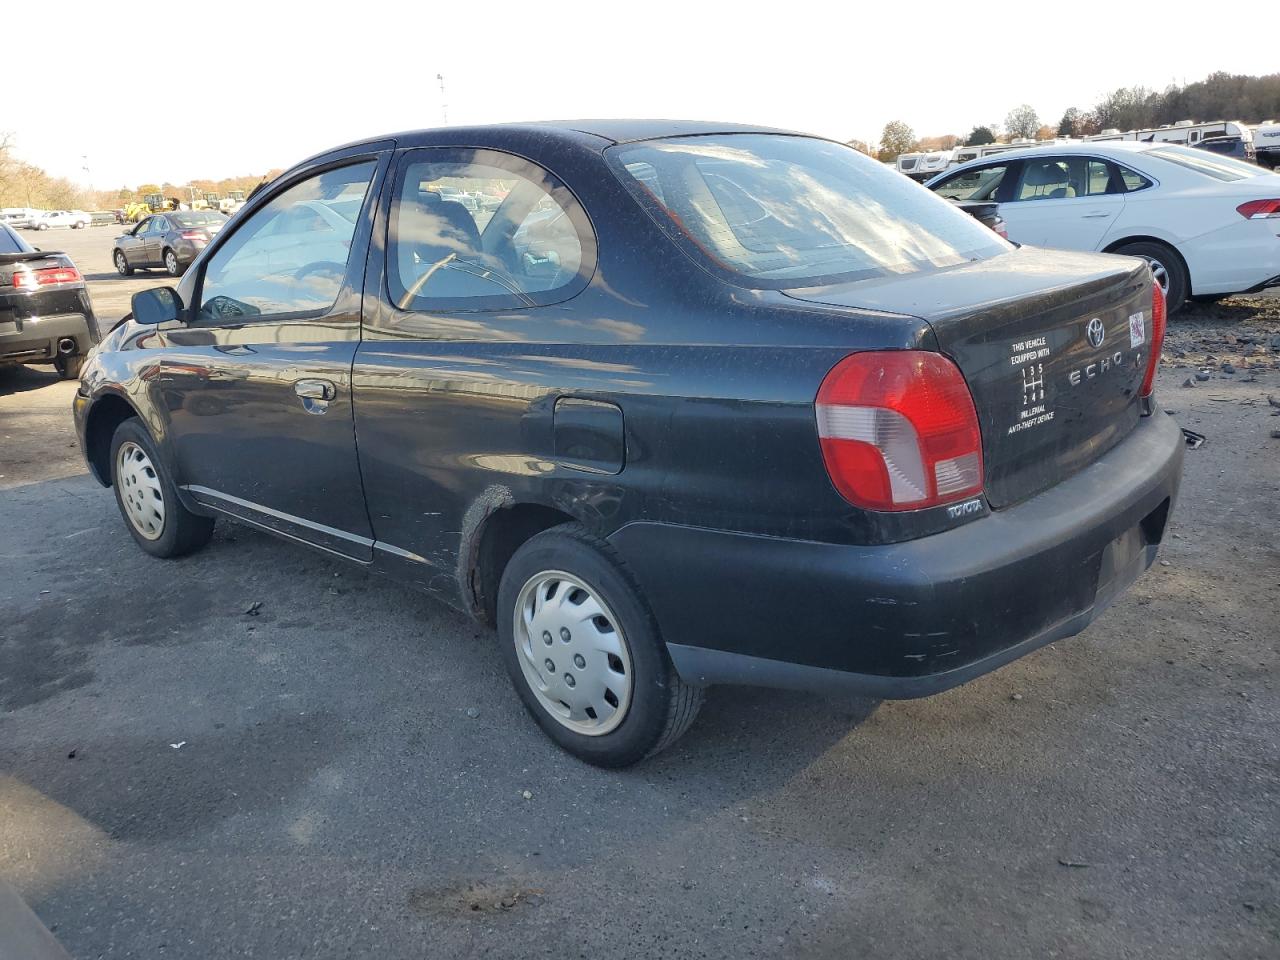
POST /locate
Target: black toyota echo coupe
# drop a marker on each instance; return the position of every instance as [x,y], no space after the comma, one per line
[670,404]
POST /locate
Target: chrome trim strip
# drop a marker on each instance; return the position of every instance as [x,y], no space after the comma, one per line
[199,491]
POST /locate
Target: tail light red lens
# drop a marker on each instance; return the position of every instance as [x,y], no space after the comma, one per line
[899,430]
[1259,209]
[1157,339]
[195,235]
[35,279]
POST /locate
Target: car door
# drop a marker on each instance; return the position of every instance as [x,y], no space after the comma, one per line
[448,394]
[256,383]
[133,243]
[153,240]
[1064,201]
[981,182]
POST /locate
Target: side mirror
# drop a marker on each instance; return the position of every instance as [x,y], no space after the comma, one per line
[158,305]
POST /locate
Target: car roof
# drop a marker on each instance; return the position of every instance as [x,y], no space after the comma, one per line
[594,133]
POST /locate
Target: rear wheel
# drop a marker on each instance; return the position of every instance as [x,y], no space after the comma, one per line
[171,265]
[122,265]
[68,365]
[1166,267]
[148,501]
[584,651]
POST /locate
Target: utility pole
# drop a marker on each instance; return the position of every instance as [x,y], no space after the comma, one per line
[444,107]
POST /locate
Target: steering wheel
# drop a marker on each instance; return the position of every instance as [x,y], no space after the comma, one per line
[481,271]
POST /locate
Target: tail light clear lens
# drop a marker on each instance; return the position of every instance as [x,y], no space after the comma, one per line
[1157,338]
[35,279]
[1259,209]
[899,431]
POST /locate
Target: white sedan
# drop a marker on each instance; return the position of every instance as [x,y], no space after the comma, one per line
[75,219]
[1209,225]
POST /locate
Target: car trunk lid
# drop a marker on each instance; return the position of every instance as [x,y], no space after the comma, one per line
[1053,346]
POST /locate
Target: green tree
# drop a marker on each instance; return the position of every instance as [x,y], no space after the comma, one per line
[896,138]
[1069,125]
[979,136]
[1022,121]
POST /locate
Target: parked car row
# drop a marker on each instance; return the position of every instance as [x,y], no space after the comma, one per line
[679,413]
[1206,223]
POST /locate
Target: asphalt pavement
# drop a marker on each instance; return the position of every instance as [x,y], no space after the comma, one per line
[182,777]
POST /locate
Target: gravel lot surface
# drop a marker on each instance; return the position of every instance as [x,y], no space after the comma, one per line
[180,778]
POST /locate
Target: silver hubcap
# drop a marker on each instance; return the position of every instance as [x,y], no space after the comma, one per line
[1160,274]
[171,262]
[120,264]
[572,652]
[140,490]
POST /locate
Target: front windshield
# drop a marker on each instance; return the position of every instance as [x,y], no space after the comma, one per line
[781,211]
[1210,164]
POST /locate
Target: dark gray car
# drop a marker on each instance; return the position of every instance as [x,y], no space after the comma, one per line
[169,240]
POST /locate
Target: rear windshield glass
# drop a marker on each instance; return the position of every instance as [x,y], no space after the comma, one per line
[1210,164]
[784,211]
[10,242]
[198,218]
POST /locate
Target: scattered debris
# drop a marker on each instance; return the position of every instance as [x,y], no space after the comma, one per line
[179,745]
[1075,864]
[71,755]
[1274,401]
[527,795]
[253,608]
[1016,696]
[1194,440]
[1275,434]
[1188,382]
[473,712]
[1201,376]
[1165,563]
[1228,368]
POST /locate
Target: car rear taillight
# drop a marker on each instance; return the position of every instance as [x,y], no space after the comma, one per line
[1001,228]
[1157,339]
[899,430]
[1259,209]
[195,235]
[35,279]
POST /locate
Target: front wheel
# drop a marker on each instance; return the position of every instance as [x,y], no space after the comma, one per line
[1166,268]
[147,498]
[171,265]
[584,651]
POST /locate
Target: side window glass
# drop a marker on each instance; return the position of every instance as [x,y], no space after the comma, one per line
[483,230]
[290,257]
[1133,180]
[647,177]
[976,184]
[1097,177]
[1045,180]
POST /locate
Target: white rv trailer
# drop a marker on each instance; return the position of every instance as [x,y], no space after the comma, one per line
[922,166]
[1184,131]
[1266,141]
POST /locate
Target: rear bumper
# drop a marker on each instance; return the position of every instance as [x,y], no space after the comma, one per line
[910,619]
[35,339]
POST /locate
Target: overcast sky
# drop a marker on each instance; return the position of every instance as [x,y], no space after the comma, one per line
[234,88]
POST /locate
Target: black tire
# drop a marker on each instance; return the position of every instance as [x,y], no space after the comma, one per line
[171,265]
[122,264]
[183,531]
[662,706]
[1167,257]
[69,365]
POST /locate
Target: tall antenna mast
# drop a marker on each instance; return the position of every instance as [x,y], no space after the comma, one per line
[444,107]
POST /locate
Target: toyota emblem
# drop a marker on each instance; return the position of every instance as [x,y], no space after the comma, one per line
[1095,332]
